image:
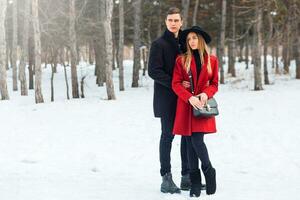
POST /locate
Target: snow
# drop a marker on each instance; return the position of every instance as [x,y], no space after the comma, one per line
[94,149]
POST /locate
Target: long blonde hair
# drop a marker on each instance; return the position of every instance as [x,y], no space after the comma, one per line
[203,50]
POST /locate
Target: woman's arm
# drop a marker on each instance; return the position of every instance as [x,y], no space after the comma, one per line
[177,81]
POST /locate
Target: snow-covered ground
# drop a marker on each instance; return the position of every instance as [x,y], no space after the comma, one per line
[94,149]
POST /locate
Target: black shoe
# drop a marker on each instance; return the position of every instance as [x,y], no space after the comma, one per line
[168,185]
[210,179]
[196,184]
[185,183]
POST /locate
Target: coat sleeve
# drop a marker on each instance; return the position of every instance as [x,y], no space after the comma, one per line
[156,66]
[213,83]
[177,86]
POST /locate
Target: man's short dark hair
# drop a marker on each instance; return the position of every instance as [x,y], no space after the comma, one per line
[174,10]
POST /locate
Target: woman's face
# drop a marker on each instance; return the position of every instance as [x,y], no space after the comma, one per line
[193,40]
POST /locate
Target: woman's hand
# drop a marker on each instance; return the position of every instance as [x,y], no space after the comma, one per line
[203,98]
[195,102]
[186,84]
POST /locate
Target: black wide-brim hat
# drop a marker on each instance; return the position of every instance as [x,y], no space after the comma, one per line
[195,29]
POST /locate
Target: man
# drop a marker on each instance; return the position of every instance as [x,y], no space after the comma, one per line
[162,58]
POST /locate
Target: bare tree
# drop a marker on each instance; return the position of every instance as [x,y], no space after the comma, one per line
[72,35]
[37,47]
[106,7]
[3,84]
[296,39]
[62,61]
[195,12]
[232,45]
[121,45]
[185,11]
[31,60]
[257,51]
[15,46]
[159,20]
[24,49]
[267,40]
[137,43]
[222,41]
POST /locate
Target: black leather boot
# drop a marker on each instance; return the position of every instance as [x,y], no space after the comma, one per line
[196,183]
[210,179]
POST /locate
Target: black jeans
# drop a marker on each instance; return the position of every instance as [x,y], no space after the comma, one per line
[165,146]
[197,149]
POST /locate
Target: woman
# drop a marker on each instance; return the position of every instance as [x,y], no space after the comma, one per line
[204,69]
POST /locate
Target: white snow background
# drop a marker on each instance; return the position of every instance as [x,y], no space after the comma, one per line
[94,149]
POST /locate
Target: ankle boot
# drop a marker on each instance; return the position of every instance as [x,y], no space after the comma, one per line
[196,183]
[168,185]
[210,179]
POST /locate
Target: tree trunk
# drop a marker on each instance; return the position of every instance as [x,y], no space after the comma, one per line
[222,41]
[62,61]
[297,50]
[52,82]
[159,21]
[24,50]
[257,51]
[247,51]
[286,46]
[99,47]
[137,42]
[31,62]
[267,40]
[121,45]
[185,12]
[3,76]
[107,9]
[296,38]
[7,56]
[277,53]
[14,48]
[266,76]
[273,54]
[232,46]
[91,58]
[195,13]
[73,42]
[37,48]
[241,47]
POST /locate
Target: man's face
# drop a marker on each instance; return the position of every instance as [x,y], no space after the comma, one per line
[173,23]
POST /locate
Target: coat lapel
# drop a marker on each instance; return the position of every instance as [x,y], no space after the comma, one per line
[203,77]
[194,73]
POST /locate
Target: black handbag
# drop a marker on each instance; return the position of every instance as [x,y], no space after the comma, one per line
[210,109]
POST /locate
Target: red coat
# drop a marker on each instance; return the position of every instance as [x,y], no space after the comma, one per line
[185,123]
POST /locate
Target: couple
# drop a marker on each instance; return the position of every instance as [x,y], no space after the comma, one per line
[172,56]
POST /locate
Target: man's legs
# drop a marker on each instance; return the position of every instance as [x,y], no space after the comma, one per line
[185,183]
[165,145]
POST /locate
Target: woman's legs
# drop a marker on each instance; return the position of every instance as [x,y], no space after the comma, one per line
[200,149]
[202,153]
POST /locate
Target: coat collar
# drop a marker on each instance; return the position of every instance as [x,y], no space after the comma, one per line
[170,38]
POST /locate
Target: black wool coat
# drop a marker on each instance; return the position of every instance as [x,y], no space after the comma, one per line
[163,53]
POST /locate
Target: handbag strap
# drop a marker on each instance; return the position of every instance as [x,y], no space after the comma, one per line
[191,81]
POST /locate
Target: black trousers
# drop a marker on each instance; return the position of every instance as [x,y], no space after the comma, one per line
[165,146]
[197,150]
